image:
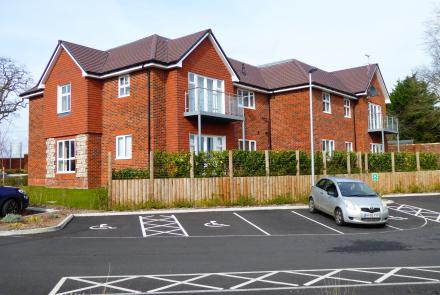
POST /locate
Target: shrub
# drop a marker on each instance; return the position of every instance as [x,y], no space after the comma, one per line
[405,162]
[429,161]
[249,163]
[379,162]
[282,163]
[12,218]
[14,181]
[171,165]
[212,164]
[337,163]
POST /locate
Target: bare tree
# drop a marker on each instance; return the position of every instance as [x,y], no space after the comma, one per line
[14,79]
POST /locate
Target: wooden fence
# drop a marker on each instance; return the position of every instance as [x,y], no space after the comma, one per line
[262,188]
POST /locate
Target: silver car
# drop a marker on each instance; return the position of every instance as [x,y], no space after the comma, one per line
[348,201]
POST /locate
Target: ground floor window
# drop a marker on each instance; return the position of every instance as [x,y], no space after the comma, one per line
[328,146]
[66,156]
[376,148]
[208,143]
[348,146]
[249,145]
[123,146]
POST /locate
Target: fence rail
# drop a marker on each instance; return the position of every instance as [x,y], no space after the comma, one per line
[132,192]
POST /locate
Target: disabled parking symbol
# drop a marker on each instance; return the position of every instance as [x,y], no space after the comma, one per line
[214,223]
[102,226]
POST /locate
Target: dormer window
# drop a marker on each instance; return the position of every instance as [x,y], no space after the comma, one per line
[124,86]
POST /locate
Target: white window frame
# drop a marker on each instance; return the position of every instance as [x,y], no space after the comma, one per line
[67,95]
[374,116]
[328,146]
[250,95]
[202,91]
[124,86]
[347,108]
[250,144]
[193,142]
[122,155]
[349,146]
[376,148]
[326,103]
[65,158]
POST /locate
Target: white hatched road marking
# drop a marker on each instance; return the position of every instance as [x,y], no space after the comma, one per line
[161,225]
[254,225]
[416,211]
[379,276]
[322,224]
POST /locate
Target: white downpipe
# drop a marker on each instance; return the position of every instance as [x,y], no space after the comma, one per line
[312,152]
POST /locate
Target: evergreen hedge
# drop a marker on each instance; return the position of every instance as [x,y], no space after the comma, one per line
[245,163]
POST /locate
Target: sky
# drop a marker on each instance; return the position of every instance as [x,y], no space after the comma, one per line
[330,35]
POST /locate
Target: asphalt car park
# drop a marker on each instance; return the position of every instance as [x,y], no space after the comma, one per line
[276,251]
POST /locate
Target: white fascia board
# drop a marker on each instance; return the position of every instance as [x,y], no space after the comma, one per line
[238,85]
[50,66]
[33,94]
[334,91]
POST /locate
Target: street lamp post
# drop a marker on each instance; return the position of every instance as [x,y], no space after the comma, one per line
[312,152]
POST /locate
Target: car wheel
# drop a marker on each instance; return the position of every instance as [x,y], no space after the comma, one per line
[10,207]
[312,208]
[339,217]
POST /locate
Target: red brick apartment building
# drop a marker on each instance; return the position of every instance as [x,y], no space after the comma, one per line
[161,94]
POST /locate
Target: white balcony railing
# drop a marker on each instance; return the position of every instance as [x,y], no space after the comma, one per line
[378,122]
[213,103]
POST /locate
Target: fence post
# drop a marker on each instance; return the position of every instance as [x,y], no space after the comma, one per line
[348,163]
[231,164]
[297,162]
[359,160]
[366,162]
[324,163]
[393,163]
[266,159]
[231,176]
[191,163]
[151,165]
[109,179]
[418,160]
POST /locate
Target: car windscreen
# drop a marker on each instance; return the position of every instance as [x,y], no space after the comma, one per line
[355,189]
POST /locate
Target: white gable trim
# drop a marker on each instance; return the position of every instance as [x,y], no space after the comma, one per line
[217,49]
[51,64]
[382,85]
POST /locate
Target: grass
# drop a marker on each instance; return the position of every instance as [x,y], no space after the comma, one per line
[94,199]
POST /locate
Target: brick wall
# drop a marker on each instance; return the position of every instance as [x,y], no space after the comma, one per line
[417,147]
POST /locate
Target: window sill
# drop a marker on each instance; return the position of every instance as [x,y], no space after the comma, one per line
[63,114]
[347,117]
[124,96]
[66,172]
[123,158]
[327,112]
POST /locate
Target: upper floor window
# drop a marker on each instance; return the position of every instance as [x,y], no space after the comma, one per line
[326,106]
[328,146]
[124,86]
[66,156]
[249,145]
[348,146]
[63,98]
[205,94]
[347,109]
[246,98]
[123,147]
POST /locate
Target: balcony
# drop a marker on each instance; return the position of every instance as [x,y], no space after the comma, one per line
[377,122]
[212,104]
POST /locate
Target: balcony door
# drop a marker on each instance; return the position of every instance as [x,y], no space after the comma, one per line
[374,116]
[206,93]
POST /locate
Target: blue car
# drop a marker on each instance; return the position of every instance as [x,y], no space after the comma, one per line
[12,200]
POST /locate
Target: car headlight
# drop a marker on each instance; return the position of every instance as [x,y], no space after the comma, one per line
[23,193]
[350,205]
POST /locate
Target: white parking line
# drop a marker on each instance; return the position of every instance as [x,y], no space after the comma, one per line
[191,283]
[393,227]
[326,226]
[180,225]
[254,225]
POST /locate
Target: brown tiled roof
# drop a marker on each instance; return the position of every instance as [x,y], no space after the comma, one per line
[357,79]
[154,48]
[161,50]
